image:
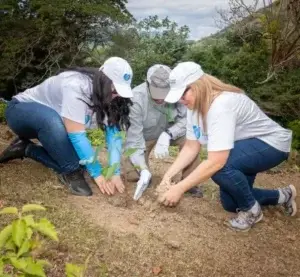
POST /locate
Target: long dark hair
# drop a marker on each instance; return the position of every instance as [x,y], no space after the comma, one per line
[117,109]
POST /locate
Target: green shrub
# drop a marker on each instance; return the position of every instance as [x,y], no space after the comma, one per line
[295,127]
[2,112]
[96,136]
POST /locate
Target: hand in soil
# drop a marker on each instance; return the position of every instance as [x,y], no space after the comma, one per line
[118,183]
[105,186]
[164,186]
[171,197]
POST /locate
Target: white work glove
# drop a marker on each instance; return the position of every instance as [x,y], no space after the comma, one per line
[161,149]
[142,184]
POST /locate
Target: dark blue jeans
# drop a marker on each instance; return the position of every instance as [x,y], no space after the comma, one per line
[36,121]
[236,178]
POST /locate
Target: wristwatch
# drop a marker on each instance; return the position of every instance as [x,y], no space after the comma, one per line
[169,133]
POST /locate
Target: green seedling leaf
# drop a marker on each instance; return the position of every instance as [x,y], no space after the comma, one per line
[98,149]
[18,263]
[33,268]
[45,227]
[24,248]
[1,267]
[29,233]
[111,170]
[35,244]
[104,171]
[129,152]
[18,231]
[137,167]
[5,235]
[73,270]
[32,207]
[29,220]
[121,134]
[43,263]
[9,210]
[10,254]
[10,245]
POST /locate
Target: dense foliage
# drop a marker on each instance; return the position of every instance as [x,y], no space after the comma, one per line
[149,41]
[37,37]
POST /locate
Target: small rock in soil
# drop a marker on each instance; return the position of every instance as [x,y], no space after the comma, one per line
[173,244]
[152,215]
[291,238]
[156,270]
[133,220]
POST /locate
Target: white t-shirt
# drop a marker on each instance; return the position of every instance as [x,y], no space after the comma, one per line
[232,117]
[63,93]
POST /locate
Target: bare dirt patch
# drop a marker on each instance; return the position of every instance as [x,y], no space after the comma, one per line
[140,239]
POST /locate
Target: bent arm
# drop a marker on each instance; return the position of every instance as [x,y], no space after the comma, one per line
[221,126]
[186,156]
[214,163]
[83,147]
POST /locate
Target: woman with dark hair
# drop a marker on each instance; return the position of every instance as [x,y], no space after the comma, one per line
[58,111]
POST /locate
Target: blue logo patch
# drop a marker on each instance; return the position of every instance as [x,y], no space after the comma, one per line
[197,131]
[126,77]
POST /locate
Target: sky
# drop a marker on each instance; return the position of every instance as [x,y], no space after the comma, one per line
[198,15]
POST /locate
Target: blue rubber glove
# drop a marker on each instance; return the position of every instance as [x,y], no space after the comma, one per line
[85,153]
[114,147]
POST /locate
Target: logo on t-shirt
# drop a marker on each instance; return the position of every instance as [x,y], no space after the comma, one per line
[197,131]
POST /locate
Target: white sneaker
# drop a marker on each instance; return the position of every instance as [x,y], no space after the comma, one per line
[245,220]
[289,204]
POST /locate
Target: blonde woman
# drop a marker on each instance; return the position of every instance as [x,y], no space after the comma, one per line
[241,142]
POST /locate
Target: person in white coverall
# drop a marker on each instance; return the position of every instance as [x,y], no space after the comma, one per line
[154,124]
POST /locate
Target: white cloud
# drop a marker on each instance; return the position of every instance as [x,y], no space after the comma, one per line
[199,15]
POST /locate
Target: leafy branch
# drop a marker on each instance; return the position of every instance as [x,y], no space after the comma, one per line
[21,242]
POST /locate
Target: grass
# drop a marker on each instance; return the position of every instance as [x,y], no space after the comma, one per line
[2,112]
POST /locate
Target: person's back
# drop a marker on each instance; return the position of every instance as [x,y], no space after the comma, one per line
[251,121]
[50,91]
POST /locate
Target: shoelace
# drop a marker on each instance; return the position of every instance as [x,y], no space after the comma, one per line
[242,217]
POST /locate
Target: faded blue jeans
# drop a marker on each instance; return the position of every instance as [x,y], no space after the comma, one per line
[36,121]
[236,178]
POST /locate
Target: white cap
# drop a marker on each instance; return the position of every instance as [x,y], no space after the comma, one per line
[120,73]
[181,76]
[158,79]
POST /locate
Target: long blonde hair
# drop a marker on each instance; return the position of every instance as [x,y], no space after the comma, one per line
[206,89]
